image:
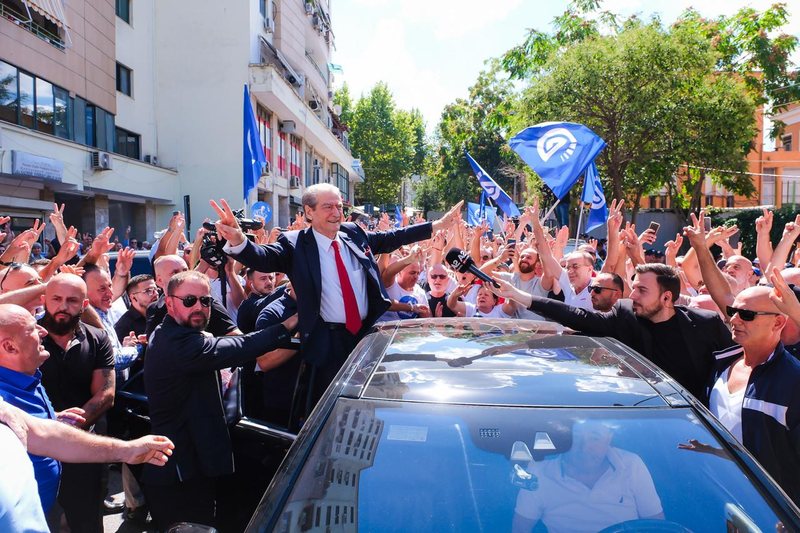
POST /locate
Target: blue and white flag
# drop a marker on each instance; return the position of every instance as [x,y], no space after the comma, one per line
[493,190]
[559,152]
[253,159]
[477,213]
[398,217]
[593,194]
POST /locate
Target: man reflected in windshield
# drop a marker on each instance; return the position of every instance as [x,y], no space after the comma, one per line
[590,487]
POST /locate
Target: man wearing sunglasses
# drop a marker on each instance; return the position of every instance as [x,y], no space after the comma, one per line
[606,289]
[754,390]
[181,375]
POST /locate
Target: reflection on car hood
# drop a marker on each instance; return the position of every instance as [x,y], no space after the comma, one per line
[507,362]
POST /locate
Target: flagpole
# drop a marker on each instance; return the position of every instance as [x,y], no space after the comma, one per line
[547,215]
[580,221]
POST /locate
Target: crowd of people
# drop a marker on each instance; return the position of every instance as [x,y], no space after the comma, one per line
[289,305]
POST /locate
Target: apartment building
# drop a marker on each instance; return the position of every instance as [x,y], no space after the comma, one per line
[778,171]
[58,130]
[128,110]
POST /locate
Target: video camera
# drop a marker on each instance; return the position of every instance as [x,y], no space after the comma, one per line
[211,247]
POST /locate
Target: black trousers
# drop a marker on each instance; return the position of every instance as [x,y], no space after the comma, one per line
[341,343]
[81,495]
[186,501]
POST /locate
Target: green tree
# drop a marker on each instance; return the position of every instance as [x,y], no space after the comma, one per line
[478,125]
[383,138]
[659,97]
[342,98]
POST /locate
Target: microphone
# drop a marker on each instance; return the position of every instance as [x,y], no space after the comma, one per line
[460,261]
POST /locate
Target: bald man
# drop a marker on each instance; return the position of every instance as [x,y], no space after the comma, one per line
[755,389]
[79,373]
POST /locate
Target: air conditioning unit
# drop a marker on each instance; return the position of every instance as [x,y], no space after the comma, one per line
[309,8]
[287,126]
[101,160]
[294,182]
[269,25]
[266,169]
[313,104]
[152,159]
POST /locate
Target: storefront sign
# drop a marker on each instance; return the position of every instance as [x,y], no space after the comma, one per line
[25,164]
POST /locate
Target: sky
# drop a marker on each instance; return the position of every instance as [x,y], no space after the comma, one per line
[430,52]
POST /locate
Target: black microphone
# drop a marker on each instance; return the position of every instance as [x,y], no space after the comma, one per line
[460,261]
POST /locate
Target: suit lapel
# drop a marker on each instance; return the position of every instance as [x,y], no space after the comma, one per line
[311,251]
[359,253]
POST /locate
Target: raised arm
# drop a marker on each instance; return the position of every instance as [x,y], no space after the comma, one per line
[781,253]
[613,224]
[717,285]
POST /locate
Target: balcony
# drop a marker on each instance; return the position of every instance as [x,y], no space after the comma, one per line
[44,31]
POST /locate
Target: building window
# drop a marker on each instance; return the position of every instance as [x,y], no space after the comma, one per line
[124,10]
[786,143]
[790,190]
[340,178]
[652,202]
[45,108]
[309,169]
[91,137]
[662,202]
[9,103]
[281,153]
[265,131]
[127,143]
[26,100]
[124,79]
[294,156]
[768,187]
[31,20]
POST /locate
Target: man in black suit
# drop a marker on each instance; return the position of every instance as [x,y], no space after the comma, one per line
[333,271]
[679,340]
[184,394]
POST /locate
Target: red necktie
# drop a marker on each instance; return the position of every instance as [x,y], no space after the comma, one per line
[352,318]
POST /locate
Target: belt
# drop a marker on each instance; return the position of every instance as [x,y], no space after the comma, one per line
[334,325]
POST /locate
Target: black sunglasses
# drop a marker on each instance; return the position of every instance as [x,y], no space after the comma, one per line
[438,276]
[597,289]
[746,314]
[189,301]
[11,266]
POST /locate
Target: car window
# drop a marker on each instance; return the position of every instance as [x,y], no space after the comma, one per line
[384,465]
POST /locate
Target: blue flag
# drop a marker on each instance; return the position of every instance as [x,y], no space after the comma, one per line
[476,213]
[398,216]
[593,194]
[558,151]
[493,190]
[253,159]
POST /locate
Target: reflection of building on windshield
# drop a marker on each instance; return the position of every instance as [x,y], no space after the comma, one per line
[590,487]
[330,498]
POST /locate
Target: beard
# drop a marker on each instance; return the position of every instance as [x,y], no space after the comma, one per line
[193,321]
[647,312]
[62,327]
[525,267]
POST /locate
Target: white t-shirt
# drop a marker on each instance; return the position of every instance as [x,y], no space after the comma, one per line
[416,296]
[727,406]
[624,492]
[216,293]
[583,299]
[496,312]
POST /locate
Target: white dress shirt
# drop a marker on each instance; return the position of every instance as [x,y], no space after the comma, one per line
[331,304]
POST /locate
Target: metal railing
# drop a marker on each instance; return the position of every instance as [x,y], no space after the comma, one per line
[21,20]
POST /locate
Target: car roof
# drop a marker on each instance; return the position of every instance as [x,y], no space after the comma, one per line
[503,362]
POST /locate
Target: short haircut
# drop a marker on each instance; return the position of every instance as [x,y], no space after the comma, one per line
[136,280]
[617,281]
[251,271]
[666,277]
[178,279]
[88,268]
[586,256]
[310,196]
[40,262]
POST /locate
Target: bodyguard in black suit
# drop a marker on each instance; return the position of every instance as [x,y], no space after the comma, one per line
[182,381]
[316,259]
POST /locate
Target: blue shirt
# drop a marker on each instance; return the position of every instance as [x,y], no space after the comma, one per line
[27,393]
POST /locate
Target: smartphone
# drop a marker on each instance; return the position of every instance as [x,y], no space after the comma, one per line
[176,213]
[707,223]
[490,235]
[654,226]
[512,242]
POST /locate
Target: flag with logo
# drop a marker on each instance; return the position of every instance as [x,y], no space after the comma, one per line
[559,152]
[477,213]
[253,159]
[493,190]
[593,194]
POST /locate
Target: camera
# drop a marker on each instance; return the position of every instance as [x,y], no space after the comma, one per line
[211,247]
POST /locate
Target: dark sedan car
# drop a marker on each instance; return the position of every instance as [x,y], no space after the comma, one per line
[488,425]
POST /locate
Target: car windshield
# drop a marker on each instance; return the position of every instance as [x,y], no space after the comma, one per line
[386,465]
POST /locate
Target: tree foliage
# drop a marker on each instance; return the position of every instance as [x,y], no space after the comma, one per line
[478,125]
[387,140]
[659,97]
